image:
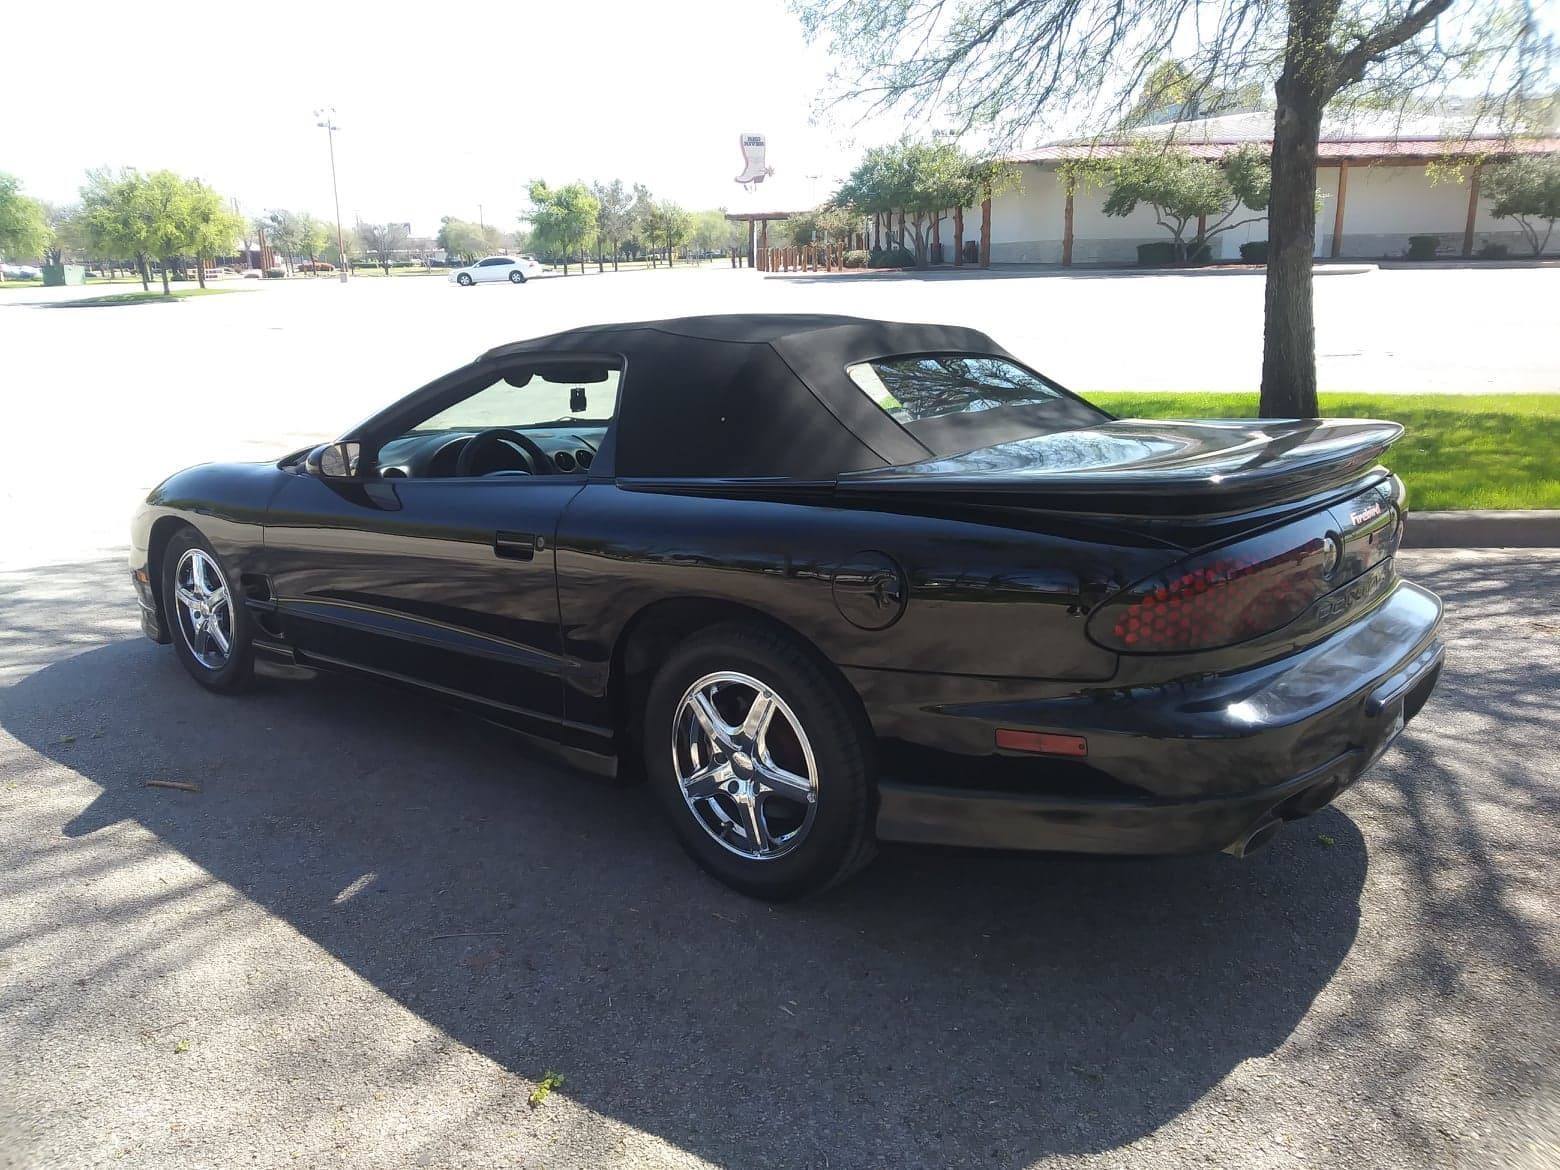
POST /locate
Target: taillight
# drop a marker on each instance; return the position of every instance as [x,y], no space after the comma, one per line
[1220,598]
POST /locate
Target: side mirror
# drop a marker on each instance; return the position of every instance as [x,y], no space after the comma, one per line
[335,460]
[577,401]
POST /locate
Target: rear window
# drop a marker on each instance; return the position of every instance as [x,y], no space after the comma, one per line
[955,402]
[914,388]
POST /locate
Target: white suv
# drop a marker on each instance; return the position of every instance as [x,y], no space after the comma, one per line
[498,268]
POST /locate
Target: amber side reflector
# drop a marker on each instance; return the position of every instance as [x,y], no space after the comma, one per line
[1042,742]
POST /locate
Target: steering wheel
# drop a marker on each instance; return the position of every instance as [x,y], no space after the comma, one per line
[480,443]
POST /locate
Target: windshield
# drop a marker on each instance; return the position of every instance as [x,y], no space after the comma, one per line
[569,396]
[954,402]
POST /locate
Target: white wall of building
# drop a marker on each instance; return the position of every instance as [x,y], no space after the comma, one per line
[1384,206]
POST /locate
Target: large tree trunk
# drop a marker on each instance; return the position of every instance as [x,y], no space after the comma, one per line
[146,279]
[985,231]
[166,290]
[958,237]
[1289,330]
[200,272]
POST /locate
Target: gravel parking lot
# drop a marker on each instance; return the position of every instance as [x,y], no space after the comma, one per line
[378,926]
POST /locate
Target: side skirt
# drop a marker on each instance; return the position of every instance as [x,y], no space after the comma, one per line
[584,746]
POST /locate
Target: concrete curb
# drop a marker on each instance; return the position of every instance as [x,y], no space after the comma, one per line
[1505,529]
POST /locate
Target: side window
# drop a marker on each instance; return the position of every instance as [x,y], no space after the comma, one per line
[489,263]
[544,418]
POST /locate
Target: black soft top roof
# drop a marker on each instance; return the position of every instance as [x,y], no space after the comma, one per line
[747,395]
[850,339]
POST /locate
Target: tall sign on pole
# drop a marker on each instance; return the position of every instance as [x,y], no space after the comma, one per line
[755,168]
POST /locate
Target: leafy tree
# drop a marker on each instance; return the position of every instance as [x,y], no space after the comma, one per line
[157,216]
[563,219]
[282,230]
[614,216]
[214,226]
[1172,92]
[461,239]
[828,223]
[1182,189]
[67,231]
[24,227]
[332,253]
[110,220]
[166,208]
[921,183]
[310,236]
[1526,189]
[711,231]
[382,239]
[1013,66]
[636,243]
[667,226]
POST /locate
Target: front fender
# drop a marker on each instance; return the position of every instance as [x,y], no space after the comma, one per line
[225,502]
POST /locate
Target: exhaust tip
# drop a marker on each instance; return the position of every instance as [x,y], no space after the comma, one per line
[1254,840]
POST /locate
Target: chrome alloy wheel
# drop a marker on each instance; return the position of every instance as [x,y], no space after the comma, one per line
[744,765]
[205,608]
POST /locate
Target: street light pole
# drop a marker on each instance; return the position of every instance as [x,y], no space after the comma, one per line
[327,120]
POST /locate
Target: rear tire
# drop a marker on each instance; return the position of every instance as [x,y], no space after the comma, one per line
[517,277]
[206,615]
[809,768]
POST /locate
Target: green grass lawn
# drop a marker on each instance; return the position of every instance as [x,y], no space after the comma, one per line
[91,282]
[1460,450]
[156,296]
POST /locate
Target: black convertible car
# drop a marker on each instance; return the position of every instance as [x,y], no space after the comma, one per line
[828,581]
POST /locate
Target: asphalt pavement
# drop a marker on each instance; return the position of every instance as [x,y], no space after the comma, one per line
[378,926]
[375,927]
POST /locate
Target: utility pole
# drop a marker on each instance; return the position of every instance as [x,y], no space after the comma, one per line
[481,223]
[326,119]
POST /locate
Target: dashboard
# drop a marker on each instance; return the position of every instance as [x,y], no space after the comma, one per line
[435,454]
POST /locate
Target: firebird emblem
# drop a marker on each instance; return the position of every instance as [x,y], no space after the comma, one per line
[1365,514]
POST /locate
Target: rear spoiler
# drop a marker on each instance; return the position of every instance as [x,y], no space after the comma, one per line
[1290,461]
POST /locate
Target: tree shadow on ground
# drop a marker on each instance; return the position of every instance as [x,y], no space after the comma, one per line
[943,1007]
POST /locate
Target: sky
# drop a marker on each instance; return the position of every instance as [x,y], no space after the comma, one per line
[445,109]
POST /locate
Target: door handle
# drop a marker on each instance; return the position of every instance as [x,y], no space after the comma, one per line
[517,546]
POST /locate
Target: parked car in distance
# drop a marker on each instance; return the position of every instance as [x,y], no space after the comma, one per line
[827,581]
[494,268]
[253,274]
[20,272]
[316,266]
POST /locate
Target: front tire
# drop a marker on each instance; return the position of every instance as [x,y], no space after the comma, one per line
[206,615]
[763,761]
[464,280]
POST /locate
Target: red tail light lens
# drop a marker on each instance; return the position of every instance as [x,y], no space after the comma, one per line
[1221,598]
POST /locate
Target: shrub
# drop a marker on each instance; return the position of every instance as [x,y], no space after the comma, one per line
[1254,251]
[1161,254]
[857,258]
[891,258]
[1494,251]
[1423,247]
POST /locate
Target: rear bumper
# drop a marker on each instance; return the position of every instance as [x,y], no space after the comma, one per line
[1213,758]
